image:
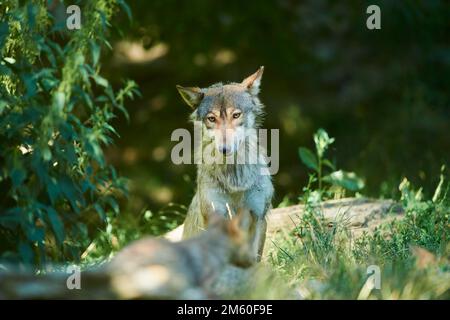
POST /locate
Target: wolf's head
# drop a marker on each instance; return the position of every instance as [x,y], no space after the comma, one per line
[226,110]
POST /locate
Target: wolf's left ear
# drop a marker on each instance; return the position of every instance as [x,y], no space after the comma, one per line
[192,95]
[240,222]
[253,82]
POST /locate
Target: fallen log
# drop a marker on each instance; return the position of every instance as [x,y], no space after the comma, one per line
[359,214]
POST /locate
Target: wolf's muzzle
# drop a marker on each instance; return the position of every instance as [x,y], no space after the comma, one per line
[225,149]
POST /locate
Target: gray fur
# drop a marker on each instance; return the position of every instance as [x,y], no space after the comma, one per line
[236,185]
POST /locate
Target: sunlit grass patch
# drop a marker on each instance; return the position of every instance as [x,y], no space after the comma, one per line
[411,254]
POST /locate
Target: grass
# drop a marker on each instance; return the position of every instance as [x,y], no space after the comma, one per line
[412,253]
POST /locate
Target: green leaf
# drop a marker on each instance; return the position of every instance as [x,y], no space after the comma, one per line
[4,70]
[328,163]
[113,204]
[26,253]
[37,234]
[106,42]
[10,60]
[31,13]
[438,191]
[53,191]
[100,80]
[347,180]
[308,158]
[111,129]
[49,83]
[17,175]
[59,100]
[70,190]
[11,218]
[56,223]
[100,211]
[49,53]
[30,85]
[126,8]
[3,105]
[4,31]
[95,52]
[46,153]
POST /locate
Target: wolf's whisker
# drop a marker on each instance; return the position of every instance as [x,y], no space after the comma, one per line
[229,210]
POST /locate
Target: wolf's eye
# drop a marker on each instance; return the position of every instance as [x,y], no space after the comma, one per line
[211,119]
[236,115]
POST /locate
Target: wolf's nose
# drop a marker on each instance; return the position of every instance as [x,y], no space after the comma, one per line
[224,149]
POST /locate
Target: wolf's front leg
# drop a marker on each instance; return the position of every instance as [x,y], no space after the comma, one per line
[194,222]
[214,201]
[258,237]
[258,201]
[206,201]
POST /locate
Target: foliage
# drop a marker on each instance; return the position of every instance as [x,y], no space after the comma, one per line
[318,163]
[426,224]
[122,230]
[323,261]
[55,115]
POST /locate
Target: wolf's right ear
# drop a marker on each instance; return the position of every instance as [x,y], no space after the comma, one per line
[252,83]
[191,95]
[239,223]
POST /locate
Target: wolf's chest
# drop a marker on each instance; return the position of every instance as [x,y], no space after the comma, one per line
[236,178]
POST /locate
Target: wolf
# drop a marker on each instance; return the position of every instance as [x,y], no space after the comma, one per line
[149,268]
[229,114]
[157,268]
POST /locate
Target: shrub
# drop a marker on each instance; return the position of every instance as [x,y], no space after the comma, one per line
[337,180]
[55,114]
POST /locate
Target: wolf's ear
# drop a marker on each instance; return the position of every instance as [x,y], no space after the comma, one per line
[253,82]
[239,223]
[192,95]
[233,228]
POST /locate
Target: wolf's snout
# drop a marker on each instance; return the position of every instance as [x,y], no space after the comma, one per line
[225,149]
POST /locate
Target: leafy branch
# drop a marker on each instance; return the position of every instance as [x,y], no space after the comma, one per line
[324,171]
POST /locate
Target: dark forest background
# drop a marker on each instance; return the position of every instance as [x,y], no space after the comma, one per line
[383,94]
